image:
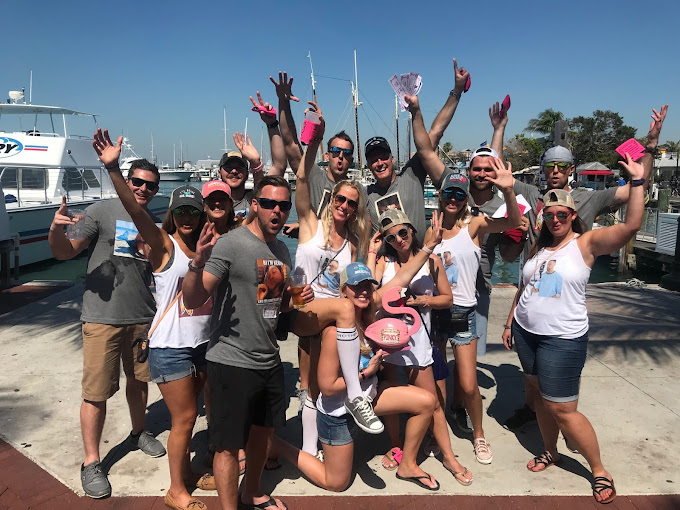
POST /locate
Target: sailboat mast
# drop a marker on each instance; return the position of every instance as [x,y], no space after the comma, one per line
[225,129]
[355,94]
[311,68]
[152,160]
[408,135]
[396,122]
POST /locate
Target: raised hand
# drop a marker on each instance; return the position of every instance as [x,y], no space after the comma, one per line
[284,86]
[657,123]
[635,170]
[107,152]
[437,224]
[376,242]
[498,118]
[461,76]
[504,179]
[246,147]
[315,108]
[61,215]
[204,245]
[267,112]
[413,103]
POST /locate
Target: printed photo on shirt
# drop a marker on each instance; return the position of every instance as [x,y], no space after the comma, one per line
[128,242]
[329,276]
[450,268]
[271,280]
[204,309]
[391,201]
[549,282]
[325,200]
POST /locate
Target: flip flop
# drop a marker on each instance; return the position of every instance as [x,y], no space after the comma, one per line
[462,474]
[417,481]
[546,459]
[262,506]
[394,461]
[602,483]
[242,470]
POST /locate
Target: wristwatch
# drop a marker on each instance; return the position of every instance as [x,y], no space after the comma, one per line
[273,124]
[195,269]
[652,150]
[636,182]
[507,327]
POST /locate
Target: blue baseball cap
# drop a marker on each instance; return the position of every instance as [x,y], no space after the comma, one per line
[457,181]
[355,273]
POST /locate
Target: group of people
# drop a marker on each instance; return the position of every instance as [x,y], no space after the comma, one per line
[222,291]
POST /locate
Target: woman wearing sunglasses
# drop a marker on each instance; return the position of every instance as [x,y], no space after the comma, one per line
[178,337]
[549,321]
[334,239]
[460,250]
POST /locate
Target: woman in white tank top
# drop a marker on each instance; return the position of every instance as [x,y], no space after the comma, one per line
[549,321]
[460,251]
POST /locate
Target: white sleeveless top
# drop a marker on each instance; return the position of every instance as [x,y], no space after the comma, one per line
[462,256]
[553,301]
[335,405]
[315,259]
[180,327]
[422,284]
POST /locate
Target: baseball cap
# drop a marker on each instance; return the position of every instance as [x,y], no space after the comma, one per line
[355,273]
[233,155]
[558,154]
[482,151]
[211,186]
[377,142]
[186,195]
[392,217]
[458,181]
[558,197]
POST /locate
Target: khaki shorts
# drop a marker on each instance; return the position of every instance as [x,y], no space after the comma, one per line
[104,346]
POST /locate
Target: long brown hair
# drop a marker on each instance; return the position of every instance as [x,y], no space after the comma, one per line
[170,227]
[545,237]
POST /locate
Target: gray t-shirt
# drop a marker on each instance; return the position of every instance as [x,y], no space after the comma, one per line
[488,245]
[246,307]
[320,187]
[241,207]
[118,274]
[406,192]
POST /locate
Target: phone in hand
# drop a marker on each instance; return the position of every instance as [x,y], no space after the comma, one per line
[467,84]
[505,105]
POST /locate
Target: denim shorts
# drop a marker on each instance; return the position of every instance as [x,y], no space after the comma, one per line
[335,430]
[465,337]
[557,362]
[170,364]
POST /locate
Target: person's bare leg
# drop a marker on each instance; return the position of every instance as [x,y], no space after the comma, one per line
[225,469]
[256,453]
[137,394]
[547,425]
[303,362]
[531,393]
[391,421]
[441,384]
[466,368]
[92,416]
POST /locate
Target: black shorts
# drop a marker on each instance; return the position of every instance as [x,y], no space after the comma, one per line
[242,397]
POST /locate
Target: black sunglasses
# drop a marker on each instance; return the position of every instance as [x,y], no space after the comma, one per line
[561,215]
[457,194]
[335,151]
[186,209]
[341,199]
[138,183]
[268,203]
[403,234]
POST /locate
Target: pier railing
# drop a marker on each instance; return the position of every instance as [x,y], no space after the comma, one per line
[647,231]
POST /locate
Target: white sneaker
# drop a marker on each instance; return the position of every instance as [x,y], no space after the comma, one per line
[362,411]
[482,451]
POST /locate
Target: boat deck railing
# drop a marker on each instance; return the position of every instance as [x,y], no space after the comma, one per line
[647,232]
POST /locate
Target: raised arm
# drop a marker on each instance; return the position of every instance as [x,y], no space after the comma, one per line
[499,120]
[482,224]
[289,135]
[199,285]
[445,115]
[431,162]
[248,150]
[306,215]
[609,239]
[155,237]
[268,116]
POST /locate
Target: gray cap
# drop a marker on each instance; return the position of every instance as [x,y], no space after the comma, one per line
[558,154]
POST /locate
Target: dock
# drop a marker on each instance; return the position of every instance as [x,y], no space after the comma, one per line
[630,391]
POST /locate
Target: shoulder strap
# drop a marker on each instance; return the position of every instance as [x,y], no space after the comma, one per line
[165,312]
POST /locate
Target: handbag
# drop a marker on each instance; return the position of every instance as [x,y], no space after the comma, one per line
[452,322]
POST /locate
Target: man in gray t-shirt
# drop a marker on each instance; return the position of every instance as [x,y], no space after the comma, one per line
[247,273]
[117,310]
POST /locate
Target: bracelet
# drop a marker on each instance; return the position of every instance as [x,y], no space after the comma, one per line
[652,150]
[636,182]
[363,374]
[273,124]
[507,327]
[258,168]
[195,269]
[373,252]
[455,94]
[427,250]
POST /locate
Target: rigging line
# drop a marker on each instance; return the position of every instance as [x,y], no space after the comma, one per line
[376,112]
[332,78]
[369,121]
[342,121]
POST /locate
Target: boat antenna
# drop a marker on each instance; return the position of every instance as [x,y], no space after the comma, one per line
[245,130]
[225,128]
[409,127]
[30,90]
[396,121]
[357,104]
[152,159]
[311,68]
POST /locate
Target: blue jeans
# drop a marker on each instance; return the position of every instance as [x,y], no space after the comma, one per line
[170,364]
[465,337]
[557,362]
[335,430]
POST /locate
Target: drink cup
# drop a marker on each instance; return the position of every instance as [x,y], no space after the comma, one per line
[76,231]
[310,127]
[297,285]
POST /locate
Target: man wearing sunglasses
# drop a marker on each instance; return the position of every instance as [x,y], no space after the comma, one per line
[117,310]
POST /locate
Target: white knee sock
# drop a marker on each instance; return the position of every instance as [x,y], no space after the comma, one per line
[310,436]
[348,352]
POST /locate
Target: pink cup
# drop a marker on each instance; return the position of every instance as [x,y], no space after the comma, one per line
[310,127]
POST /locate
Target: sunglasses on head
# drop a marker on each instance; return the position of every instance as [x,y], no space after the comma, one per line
[186,209]
[561,215]
[335,152]
[268,203]
[341,199]
[456,194]
[561,166]
[138,183]
[403,234]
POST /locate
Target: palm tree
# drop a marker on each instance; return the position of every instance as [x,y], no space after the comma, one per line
[545,122]
[671,146]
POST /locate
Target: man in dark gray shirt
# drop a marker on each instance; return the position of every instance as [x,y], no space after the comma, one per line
[117,309]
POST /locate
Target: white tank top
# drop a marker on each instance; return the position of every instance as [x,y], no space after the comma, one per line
[335,405]
[553,301]
[462,256]
[422,284]
[180,327]
[315,259]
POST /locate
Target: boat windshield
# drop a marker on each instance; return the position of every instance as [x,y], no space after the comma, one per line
[31,178]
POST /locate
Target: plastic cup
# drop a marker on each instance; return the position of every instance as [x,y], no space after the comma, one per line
[76,231]
[310,127]
[297,285]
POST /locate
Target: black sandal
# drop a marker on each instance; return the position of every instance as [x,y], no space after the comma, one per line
[602,483]
[545,458]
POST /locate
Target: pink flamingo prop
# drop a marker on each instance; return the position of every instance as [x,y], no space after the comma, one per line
[392,334]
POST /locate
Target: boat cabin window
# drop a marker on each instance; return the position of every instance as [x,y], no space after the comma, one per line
[91,178]
[31,178]
[73,180]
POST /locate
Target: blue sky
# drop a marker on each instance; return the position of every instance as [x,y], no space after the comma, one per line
[168,68]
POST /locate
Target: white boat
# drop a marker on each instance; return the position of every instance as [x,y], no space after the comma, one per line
[175,174]
[38,167]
